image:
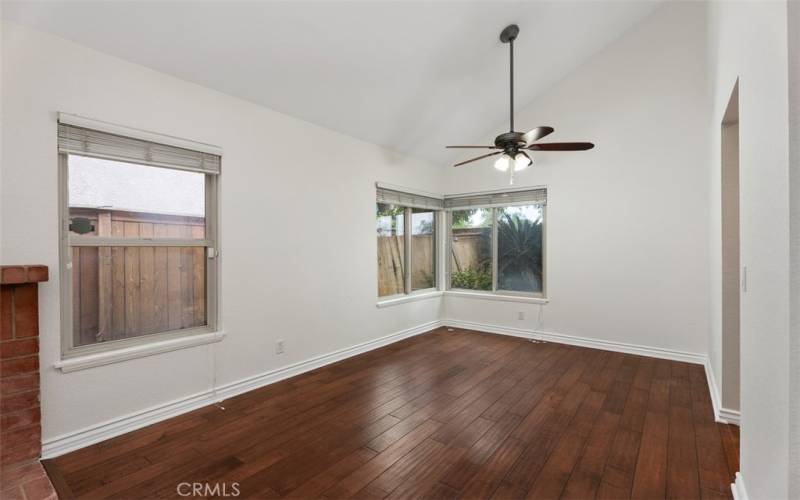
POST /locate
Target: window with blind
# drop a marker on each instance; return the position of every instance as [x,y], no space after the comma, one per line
[406,227]
[496,242]
[139,245]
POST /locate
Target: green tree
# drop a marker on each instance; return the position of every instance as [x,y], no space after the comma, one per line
[395,212]
[464,218]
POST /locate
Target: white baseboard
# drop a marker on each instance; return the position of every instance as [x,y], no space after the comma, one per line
[606,345]
[94,434]
[728,416]
[721,414]
[738,489]
[713,389]
[242,386]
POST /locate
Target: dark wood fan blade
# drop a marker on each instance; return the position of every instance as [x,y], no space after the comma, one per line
[536,134]
[478,158]
[561,146]
[473,147]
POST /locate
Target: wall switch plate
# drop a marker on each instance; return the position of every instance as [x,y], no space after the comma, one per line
[520,315]
[279,347]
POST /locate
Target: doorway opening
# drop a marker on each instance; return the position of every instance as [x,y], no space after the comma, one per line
[730,256]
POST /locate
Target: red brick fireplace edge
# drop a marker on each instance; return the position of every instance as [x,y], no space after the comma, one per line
[21,474]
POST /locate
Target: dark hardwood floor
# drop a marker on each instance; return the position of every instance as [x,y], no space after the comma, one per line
[444,414]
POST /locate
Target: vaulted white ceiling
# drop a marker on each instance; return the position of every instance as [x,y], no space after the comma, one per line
[410,76]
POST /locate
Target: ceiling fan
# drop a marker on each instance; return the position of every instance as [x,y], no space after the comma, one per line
[511,145]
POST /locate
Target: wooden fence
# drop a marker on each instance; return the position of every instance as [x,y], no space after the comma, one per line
[391,266]
[467,250]
[121,292]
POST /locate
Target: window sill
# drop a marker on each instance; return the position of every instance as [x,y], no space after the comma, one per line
[497,296]
[408,298]
[139,351]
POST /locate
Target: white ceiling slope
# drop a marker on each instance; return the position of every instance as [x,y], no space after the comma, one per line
[410,76]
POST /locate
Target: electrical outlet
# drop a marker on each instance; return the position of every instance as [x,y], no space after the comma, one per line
[279,347]
[521,315]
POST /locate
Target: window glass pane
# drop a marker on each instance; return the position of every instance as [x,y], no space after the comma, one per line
[124,292]
[423,249]
[390,222]
[519,248]
[471,249]
[125,200]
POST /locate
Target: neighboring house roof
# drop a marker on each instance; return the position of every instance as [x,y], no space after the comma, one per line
[100,183]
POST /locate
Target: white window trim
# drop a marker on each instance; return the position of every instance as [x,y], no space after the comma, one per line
[144,345]
[135,133]
[499,296]
[108,357]
[428,293]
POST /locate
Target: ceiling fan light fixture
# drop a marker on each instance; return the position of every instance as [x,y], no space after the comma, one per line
[503,162]
[521,161]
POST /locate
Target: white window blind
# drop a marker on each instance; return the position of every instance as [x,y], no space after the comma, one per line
[88,142]
[392,197]
[529,196]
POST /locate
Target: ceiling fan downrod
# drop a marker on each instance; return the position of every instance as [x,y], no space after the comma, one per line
[508,35]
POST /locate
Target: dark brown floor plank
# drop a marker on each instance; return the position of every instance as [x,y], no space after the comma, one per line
[488,479]
[617,477]
[556,471]
[585,477]
[649,479]
[682,472]
[730,442]
[315,486]
[364,475]
[415,461]
[682,475]
[543,429]
[461,471]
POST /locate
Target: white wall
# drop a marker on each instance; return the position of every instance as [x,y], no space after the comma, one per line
[627,221]
[748,40]
[297,230]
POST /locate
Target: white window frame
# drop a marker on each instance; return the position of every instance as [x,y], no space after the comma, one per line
[408,257]
[495,291]
[67,241]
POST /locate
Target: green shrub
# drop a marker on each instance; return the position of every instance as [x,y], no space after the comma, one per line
[472,279]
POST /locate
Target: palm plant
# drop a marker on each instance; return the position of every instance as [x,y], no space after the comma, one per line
[519,247]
